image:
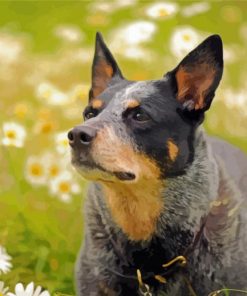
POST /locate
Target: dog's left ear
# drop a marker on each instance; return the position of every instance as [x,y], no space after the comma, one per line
[198,75]
[104,68]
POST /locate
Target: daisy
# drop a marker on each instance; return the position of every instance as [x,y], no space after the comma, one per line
[44,126]
[10,49]
[62,142]
[235,99]
[21,110]
[54,165]
[5,259]
[63,186]
[136,52]
[3,290]
[133,34]
[162,10]
[28,291]
[68,33]
[14,134]
[195,8]
[111,6]
[51,95]
[35,170]
[183,41]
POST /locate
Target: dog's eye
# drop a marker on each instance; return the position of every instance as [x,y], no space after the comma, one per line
[140,115]
[90,114]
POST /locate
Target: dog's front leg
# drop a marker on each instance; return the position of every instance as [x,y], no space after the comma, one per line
[91,276]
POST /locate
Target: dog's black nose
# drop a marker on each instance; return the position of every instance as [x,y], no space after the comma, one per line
[81,135]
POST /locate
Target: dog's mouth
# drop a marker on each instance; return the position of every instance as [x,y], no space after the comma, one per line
[125,176]
[90,170]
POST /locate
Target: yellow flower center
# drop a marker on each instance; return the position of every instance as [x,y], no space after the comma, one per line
[20,110]
[54,170]
[11,134]
[65,142]
[163,12]
[46,127]
[186,37]
[46,93]
[64,187]
[36,169]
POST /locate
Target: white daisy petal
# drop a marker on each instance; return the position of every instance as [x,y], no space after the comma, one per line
[19,289]
[3,290]
[37,291]
[69,33]
[183,40]
[45,293]
[62,142]
[5,259]
[14,134]
[195,8]
[10,49]
[133,34]
[28,291]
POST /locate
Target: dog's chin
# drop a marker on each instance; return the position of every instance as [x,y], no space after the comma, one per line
[93,172]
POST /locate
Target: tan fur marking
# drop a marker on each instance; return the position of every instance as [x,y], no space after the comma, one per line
[172,149]
[96,103]
[132,103]
[102,76]
[194,84]
[135,206]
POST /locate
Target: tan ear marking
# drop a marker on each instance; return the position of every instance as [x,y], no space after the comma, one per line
[193,84]
[172,149]
[102,76]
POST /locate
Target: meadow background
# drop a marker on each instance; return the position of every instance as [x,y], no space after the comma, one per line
[46,50]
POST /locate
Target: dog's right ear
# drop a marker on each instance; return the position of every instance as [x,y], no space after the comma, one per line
[104,68]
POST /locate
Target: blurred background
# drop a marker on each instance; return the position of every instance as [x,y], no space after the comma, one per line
[46,51]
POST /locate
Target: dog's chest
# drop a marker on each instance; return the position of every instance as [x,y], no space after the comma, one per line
[150,257]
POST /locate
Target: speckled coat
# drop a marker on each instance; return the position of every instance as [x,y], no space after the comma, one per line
[206,189]
[160,184]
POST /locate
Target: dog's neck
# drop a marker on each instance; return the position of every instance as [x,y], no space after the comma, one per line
[187,197]
[135,208]
[204,193]
[143,210]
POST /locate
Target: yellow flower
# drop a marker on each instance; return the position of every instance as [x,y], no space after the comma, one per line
[20,110]
[44,127]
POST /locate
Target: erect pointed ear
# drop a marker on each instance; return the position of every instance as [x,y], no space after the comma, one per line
[199,74]
[104,68]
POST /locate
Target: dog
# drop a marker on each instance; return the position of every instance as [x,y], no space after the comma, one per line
[166,207]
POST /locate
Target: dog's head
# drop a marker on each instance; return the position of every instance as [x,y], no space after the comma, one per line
[144,129]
